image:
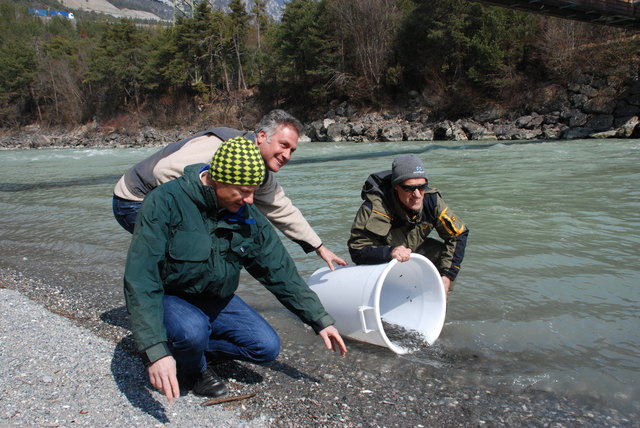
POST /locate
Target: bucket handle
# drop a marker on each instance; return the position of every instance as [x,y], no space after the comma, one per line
[363,322]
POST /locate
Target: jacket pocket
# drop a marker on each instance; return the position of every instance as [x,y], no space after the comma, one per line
[378,224]
[190,246]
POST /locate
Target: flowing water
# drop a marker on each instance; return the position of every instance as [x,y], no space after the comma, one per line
[548,295]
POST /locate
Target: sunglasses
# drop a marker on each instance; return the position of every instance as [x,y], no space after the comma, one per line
[411,189]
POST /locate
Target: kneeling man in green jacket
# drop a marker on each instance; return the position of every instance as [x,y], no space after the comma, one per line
[191,239]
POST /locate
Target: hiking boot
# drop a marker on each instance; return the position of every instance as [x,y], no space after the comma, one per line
[209,384]
[186,381]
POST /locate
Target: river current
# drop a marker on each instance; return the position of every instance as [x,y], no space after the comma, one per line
[548,293]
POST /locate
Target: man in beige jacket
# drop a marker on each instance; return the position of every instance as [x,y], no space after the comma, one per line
[277,138]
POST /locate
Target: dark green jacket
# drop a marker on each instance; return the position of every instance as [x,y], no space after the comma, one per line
[184,245]
[382,224]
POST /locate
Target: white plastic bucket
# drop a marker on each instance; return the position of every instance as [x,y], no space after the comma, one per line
[409,294]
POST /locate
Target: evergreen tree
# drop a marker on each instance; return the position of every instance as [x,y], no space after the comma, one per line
[305,54]
[117,66]
[18,68]
[456,40]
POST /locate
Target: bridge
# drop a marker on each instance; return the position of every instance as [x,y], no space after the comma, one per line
[619,13]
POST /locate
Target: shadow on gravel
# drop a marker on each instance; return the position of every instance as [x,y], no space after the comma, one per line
[131,378]
[240,371]
[117,317]
[292,372]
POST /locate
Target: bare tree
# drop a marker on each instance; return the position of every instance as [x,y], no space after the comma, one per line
[368,28]
[259,10]
[561,41]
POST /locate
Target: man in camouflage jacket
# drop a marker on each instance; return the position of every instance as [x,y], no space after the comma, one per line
[398,213]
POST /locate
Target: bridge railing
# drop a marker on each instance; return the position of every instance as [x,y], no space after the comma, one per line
[613,7]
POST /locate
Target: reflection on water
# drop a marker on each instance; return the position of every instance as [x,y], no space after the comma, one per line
[547,296]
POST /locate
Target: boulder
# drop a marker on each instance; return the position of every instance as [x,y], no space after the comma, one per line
[372,117]
[476,131]
[527,134]
[489,114]
[357,129]
[627,128]
[447,130]
[604,134]
[599,104]
[391,132]
[575,118]
[573,133]
[600,122]
[634,89]
[551,118]
[424,134]
[551,98]
[505,131]
[337,132]
[409,133]
[372,132]
[344,109]
[623,109]
[587,90]
[578,100]
[529,121]
[315,131]
[552,132]
[327,122]
[633,99]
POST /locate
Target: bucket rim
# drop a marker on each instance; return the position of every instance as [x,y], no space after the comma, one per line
[376,308]
[378,291]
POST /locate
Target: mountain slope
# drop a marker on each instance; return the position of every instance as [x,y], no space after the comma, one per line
[103,6]
[156,10]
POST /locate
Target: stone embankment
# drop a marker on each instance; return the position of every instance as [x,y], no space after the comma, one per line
[593,107]
[90,135]
[582,110]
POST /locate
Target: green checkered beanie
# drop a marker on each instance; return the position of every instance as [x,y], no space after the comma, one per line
[238,161]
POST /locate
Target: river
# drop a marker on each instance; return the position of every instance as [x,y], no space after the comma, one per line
[548,293]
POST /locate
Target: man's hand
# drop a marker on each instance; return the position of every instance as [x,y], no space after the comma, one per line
[401,253]
[447,284]
[328,256]
[332,340]
[162,375]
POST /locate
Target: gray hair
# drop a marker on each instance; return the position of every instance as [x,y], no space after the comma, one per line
[275,119]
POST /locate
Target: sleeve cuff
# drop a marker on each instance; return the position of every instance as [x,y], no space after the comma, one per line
[155,352]
[322,323]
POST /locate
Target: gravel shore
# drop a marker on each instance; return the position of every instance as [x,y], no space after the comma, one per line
[56,374]
[65,362]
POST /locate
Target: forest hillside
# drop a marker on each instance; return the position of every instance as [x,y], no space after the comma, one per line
[443,69]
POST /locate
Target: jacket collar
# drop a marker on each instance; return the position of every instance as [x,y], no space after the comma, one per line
[205,197]
[378,185]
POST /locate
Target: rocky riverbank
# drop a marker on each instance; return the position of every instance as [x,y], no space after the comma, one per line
[591,107]
[65,376]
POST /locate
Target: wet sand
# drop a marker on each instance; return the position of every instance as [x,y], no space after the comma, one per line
[304,388]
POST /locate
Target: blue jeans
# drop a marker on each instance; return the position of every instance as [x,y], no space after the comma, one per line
[223,328]
[126,212]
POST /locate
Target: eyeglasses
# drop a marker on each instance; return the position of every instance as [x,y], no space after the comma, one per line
[411,189]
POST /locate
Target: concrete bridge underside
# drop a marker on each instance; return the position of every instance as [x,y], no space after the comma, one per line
[619,13]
